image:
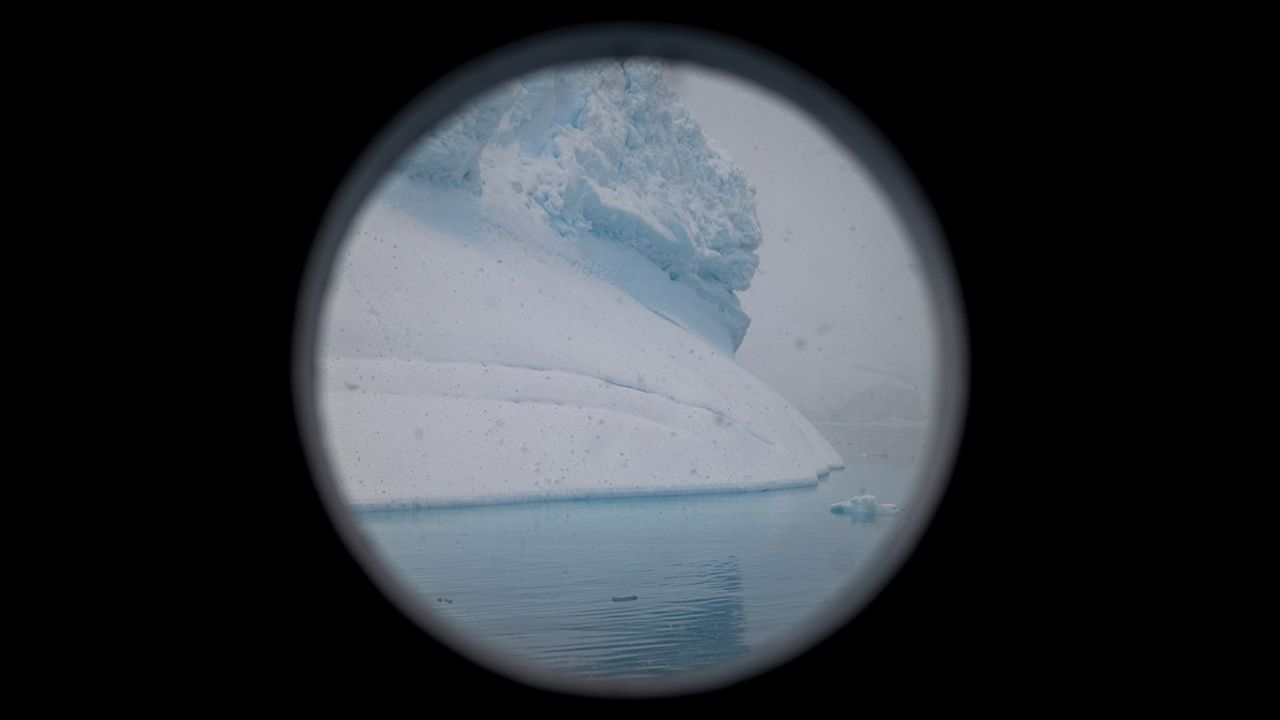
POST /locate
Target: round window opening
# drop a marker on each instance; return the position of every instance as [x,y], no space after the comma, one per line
[630,361]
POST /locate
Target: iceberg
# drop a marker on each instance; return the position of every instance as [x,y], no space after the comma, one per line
[864,505]
[540,302]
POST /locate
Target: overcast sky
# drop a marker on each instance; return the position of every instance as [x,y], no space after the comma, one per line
[837,305]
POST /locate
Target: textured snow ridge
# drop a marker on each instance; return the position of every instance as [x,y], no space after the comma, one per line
[608,152]
[540,306]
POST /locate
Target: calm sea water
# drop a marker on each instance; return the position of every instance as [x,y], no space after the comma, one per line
[715,577]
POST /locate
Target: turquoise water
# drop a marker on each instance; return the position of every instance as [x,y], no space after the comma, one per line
[715,577]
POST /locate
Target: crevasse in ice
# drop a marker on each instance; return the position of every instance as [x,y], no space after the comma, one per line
[540,302]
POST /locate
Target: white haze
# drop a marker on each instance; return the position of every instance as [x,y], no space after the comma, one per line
[839,312]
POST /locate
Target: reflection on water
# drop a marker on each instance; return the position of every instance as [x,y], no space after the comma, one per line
[715,577]
[862,518]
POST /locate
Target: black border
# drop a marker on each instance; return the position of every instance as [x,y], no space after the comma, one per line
[295,611]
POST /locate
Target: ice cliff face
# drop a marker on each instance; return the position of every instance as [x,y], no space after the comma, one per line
[539,303]
[607,152]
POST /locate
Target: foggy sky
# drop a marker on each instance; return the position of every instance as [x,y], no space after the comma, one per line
[837,305]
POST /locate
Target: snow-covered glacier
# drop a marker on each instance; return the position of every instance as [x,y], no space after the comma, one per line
[540,302]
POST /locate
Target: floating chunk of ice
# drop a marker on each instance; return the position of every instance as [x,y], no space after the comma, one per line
[863,505]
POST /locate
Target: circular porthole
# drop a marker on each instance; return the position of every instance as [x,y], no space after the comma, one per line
[630,361]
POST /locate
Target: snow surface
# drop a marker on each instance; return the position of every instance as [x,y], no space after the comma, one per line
[540,303]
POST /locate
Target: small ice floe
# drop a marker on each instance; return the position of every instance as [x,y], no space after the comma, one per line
[864,505]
